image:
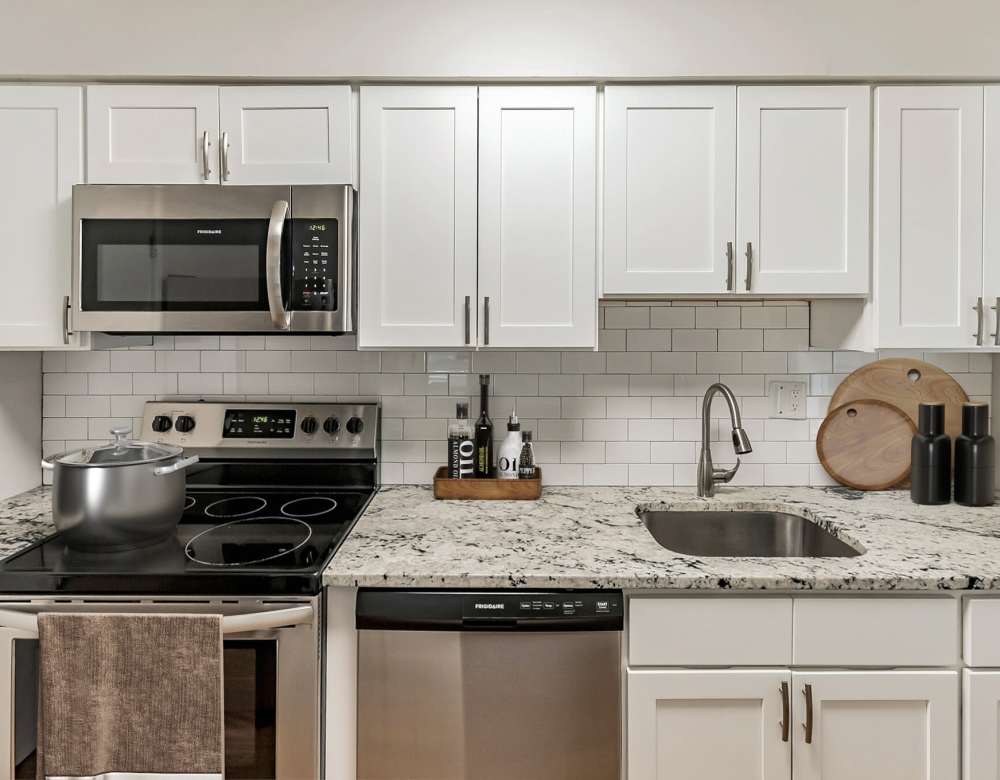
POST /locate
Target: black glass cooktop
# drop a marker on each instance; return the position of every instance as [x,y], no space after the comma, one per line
[244,542]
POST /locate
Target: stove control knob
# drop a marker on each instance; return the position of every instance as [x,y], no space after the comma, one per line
[184,423]
[331,425]
[162,423]
[309,425]
[355,425]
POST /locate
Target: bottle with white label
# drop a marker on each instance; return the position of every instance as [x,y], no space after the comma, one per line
[510,449]
[461,447]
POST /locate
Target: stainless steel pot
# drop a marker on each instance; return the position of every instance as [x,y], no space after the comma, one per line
[118,496]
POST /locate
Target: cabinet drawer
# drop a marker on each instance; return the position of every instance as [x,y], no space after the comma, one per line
[710,631]
[981,644]
[839,631]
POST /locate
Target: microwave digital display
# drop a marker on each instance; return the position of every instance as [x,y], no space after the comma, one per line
[259,424]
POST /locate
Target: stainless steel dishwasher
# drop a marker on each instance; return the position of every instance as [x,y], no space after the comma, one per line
[489,685]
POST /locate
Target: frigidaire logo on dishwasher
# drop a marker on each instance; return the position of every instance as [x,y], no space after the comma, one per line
[209,232]
[489,606]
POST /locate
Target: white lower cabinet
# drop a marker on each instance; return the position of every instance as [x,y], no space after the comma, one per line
[708,725]
[981,722]
[875,725]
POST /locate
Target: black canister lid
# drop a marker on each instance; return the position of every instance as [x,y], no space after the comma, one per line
[930,418]
[975,419]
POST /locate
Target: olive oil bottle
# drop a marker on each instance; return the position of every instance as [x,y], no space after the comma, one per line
[484,430]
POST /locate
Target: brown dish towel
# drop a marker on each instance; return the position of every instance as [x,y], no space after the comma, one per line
[130,696]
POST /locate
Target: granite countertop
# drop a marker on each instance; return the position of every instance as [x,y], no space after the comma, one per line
[590,537]
[24,519]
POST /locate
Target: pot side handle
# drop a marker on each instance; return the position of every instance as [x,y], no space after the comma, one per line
[162,471]
[48,465]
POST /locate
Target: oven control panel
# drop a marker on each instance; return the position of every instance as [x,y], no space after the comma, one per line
[314,264]
[205,425]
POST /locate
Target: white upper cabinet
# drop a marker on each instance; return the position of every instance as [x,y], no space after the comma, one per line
[991,211]
[929,216]
[285,135]
[417,242]
[537,216]
[669,189]
[41,141]
[152,134]
[885,725]
[803,201]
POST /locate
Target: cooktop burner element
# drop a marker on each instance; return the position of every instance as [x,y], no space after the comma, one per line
[264,539]
[263,515]
[308,506]
[235,506]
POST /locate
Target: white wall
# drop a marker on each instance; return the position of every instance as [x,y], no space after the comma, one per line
[20,421]
[621,39]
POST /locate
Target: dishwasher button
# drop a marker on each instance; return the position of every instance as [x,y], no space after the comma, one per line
[603,606]
[525,606]
[549,606]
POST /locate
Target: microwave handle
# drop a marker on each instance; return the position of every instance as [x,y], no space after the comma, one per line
[280,316]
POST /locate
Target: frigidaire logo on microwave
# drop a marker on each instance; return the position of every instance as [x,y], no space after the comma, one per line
[209,231]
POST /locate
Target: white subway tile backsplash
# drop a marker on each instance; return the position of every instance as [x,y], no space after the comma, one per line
[628,413]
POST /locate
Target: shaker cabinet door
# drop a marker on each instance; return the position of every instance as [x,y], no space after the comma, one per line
[40,159]
[709,724]
[417,225]
[991,212]
[669,189]
[929,216]
[286,135]
[803,197]
[981,725]
[537,216]
[152,134]
[876,725]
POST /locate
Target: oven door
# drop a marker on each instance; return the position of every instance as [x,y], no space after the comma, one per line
[271,693]
[177,258]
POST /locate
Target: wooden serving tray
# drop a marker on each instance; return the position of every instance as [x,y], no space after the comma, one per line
[486,489]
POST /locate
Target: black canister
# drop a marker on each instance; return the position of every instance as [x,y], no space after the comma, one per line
[974,457]
[930,458]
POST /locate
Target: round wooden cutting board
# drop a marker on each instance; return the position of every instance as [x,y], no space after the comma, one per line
[865,444]
[905,384]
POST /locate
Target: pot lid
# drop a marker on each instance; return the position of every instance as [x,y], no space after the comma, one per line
[120,452]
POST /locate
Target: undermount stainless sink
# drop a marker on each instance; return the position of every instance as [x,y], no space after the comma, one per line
[763,534]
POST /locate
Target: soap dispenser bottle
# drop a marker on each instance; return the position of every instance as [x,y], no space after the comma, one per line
[510,449]
[930,457]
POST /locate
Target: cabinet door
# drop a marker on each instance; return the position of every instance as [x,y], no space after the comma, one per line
[537,216]
[981,725]
[41,139]
[928,215]
[991,212]
[417,242]
[152,134]
[669,189]
[710,725]
[803,203]
[876,725]
[285,135]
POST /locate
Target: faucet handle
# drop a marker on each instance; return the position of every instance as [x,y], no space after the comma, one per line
[725,475]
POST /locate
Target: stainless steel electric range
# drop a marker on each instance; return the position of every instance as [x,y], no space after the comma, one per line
[277,489]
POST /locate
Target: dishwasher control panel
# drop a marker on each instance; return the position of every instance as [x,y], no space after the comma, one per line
[490,610]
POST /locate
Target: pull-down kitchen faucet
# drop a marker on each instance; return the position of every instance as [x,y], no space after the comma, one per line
[708,475]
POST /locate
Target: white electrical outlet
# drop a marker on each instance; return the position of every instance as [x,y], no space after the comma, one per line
[788,399]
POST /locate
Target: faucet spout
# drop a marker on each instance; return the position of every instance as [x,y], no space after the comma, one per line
[708,475]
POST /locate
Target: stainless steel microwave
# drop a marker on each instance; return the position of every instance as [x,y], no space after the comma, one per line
[180,258]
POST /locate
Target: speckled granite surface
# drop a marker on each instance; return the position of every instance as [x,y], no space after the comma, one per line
[590,537]
[24,519]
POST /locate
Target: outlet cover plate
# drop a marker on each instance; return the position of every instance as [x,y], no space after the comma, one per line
[787,400]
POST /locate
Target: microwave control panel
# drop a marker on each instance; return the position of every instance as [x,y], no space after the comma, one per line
[314,264]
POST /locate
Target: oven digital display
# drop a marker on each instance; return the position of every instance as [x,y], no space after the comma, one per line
[259,424]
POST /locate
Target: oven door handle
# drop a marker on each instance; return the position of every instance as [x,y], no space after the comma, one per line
[280,316]
[231,624]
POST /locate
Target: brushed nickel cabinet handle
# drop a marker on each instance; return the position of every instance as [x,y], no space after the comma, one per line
[980,315]
[468,318]
[224,147]
[785,714]
[65,312]
[206,169]
[730,267]
[808,725]
[749,255]
[996,335]
[486,320]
